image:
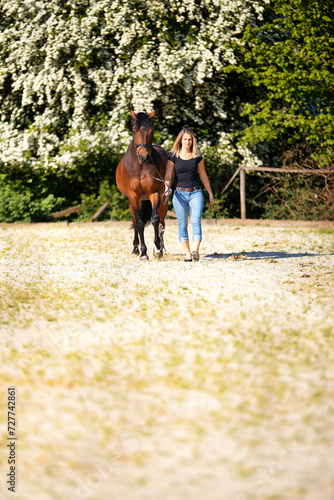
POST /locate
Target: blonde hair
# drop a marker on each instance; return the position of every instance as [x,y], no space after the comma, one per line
[178,146]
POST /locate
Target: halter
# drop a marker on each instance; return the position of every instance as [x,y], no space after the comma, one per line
[141,146]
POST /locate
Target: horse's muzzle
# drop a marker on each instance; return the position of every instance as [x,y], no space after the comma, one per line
[139,147]
[143,159]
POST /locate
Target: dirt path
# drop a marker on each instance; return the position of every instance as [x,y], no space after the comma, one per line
[169,380]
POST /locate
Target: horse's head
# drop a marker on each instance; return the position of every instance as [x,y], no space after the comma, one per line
[142,132]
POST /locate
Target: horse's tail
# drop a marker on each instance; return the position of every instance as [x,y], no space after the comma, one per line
[145,213]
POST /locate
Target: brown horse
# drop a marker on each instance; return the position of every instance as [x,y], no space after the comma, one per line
[140,176]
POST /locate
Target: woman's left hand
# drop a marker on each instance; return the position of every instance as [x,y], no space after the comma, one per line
[211,200]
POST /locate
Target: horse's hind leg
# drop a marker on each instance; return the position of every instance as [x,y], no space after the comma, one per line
[162,214]
[135,250]
[155,219]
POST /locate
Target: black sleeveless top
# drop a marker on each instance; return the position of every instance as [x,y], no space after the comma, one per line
[186,171]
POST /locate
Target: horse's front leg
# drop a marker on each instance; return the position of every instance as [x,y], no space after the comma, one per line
[161,234]
[155,219]
[139,225]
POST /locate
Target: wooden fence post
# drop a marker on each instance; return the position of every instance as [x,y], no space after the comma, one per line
[243,193]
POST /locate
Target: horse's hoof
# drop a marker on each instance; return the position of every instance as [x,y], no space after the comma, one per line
[157,255]
[144,257]
[135,251]
[157,252]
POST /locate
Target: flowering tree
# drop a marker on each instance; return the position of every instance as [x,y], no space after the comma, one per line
[71,69]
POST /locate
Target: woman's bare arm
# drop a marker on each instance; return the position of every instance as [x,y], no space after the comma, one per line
[204,178]
[169,173]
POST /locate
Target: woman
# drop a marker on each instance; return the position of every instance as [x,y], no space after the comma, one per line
[189,170]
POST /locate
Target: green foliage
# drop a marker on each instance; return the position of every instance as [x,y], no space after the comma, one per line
[290,59]
[18,203]
[293,197]
[118,208]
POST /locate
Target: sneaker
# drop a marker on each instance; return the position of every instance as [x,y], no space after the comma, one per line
[195,255]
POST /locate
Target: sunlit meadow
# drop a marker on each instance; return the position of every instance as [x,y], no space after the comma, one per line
[165,379]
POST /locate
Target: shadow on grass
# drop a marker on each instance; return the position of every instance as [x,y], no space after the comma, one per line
[260,255]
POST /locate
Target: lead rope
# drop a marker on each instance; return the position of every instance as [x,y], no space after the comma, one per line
[164,197]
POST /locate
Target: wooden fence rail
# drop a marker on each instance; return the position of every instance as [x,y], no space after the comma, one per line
[242,171]
[67,211]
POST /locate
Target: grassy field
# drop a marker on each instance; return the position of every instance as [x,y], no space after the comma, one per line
[167,380]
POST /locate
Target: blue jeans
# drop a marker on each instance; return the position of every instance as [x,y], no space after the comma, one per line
[184,202]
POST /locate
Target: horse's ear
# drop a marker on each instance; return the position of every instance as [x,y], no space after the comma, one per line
[151,115]
[133,114]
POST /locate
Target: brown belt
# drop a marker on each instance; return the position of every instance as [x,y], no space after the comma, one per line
[189,190]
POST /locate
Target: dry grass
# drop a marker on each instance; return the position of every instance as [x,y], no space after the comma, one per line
[168,380]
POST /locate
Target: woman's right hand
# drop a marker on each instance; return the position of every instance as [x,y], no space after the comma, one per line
[168,191]
[166,194]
